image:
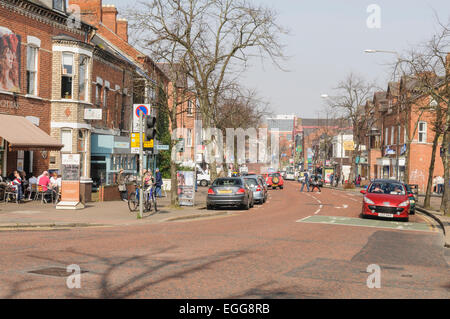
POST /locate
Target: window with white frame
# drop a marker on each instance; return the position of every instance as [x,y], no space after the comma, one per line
[189,137]
[67,75]
[98,94]
[32,62]
[189,107]
[83,78]
[404,135]
[422,132]
[105,97]
[386,136]
[392,135]
[66,140]
[398,134]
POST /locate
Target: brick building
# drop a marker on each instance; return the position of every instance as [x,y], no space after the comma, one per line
[138,83]
[27,31]
[386,137]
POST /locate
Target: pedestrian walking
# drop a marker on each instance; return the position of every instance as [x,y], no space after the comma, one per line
[331,179]
[158,183]
[315,183]
[122,187]
[440,184]
[305,182]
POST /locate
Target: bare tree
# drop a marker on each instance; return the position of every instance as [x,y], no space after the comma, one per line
[350,103]
[429,65]
[216,37]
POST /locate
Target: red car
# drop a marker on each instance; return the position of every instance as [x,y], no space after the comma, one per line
[274,180]
[386,198]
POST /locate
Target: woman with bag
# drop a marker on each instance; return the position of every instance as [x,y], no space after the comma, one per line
[122,187]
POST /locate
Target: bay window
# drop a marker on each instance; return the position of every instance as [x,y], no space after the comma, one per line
[67,75]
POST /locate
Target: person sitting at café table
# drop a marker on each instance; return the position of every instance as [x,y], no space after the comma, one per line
[44,181]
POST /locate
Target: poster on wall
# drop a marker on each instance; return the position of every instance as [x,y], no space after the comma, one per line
[186,188]
[9,60]
[328,172]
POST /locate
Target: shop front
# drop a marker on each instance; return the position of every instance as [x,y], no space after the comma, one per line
[24,146]
[109,154]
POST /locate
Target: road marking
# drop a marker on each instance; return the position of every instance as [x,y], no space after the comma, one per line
[349,221]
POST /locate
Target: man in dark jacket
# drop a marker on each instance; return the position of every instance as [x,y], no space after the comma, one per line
[158,182]
[305,182]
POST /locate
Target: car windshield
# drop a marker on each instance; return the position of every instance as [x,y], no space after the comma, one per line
[274,175]
[251,182]
[290,170]
[227,182]
[387,188]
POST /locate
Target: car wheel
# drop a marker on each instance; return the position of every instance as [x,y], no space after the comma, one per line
[204,183]
[209,207]
[281,187]
[406,219]
[412,212]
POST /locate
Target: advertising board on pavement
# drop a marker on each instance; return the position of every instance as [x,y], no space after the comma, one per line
[186,188]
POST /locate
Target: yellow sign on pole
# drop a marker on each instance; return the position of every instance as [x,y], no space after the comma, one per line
[135,139]
[349,146]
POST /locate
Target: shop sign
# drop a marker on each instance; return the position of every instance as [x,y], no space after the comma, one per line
[92,114]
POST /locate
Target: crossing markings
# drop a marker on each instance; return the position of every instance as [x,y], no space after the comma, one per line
[349,221]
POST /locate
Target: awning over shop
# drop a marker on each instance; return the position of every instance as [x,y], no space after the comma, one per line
[25,136]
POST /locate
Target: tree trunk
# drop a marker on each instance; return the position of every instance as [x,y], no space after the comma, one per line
[445,205]
[174,184]
[426,202]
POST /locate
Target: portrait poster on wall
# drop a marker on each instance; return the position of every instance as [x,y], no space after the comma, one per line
[9,60]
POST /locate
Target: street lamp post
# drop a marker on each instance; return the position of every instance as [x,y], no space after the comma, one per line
[397,166]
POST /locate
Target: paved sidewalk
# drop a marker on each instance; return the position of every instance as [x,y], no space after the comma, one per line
[435,203]
[114,213]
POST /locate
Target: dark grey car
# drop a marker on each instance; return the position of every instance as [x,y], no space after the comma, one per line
[229,191]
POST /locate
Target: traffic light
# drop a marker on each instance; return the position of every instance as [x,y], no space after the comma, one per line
[149,127]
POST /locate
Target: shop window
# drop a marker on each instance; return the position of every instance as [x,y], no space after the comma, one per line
[32,61]
[83,78]
[422,132]
[67,76]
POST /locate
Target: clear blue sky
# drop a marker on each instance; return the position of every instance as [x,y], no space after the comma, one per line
[327,41]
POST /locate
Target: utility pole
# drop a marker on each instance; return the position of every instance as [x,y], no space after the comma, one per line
[141,164]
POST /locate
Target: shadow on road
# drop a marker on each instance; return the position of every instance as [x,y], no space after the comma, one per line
[119,277]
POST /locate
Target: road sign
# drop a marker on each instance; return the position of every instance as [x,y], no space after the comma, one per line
[162,147]
[139,109]
[134,143]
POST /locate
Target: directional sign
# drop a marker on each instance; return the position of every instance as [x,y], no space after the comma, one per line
[138,110]
[162,147]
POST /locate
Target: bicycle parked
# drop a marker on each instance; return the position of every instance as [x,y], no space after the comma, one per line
[149,199]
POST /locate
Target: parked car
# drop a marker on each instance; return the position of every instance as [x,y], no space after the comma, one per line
[203,178]
[290,173]
[257,186]
[386,198]
[274,180]
[229,191]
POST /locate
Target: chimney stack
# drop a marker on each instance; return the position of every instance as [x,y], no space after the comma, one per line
[122,29]
[90,10]
[109,16]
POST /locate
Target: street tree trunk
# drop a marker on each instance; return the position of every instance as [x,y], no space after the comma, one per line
[445,205]
[426,203]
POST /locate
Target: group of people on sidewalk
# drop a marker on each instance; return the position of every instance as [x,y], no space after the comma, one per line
[438,184]
[23,186]
[149,180]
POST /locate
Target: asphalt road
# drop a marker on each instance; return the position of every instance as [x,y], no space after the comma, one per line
[297,245]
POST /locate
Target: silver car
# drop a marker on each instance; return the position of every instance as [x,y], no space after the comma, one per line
[259,191]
